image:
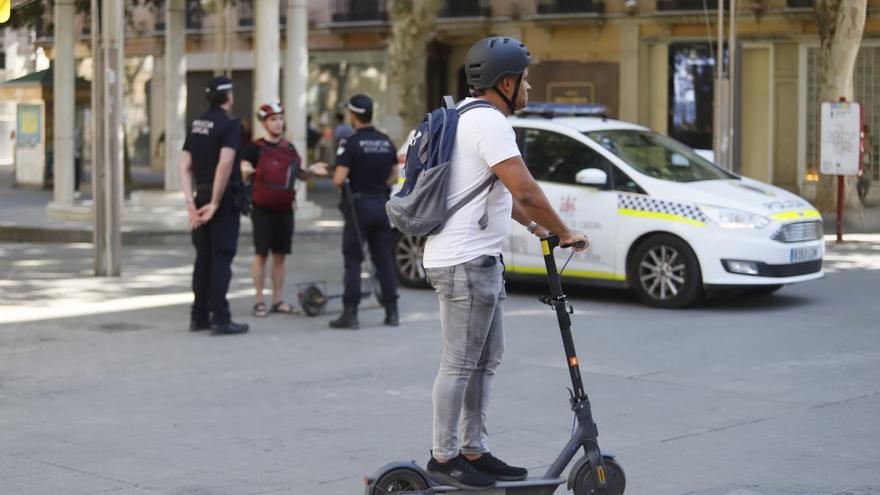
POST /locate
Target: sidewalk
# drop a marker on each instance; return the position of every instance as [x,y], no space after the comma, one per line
[23,216]
[150,220]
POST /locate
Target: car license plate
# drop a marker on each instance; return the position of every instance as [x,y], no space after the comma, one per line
[801,254]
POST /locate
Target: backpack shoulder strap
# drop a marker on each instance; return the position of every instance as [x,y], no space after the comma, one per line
[285,144]
[488,183]
[475,104]
[470,197]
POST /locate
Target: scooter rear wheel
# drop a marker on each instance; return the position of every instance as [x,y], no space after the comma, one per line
[586,484]
[400,480]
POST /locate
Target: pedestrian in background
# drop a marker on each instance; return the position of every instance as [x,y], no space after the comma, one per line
[212,186]
[342,131]
[366,166]
[274,165]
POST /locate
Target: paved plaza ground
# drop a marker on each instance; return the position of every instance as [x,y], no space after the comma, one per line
[104,391]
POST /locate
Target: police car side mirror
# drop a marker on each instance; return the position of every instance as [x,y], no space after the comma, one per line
[592,177]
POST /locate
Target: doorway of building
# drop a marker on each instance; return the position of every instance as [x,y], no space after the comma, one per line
[691,93]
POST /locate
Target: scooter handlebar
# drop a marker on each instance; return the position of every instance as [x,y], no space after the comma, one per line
[553,242]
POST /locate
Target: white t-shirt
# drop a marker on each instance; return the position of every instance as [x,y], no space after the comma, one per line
[484,139]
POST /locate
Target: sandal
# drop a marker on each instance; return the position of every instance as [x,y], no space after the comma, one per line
[260,310]
[284,308]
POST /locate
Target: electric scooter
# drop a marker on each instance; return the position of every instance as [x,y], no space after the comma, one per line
[313,300]
[596,473]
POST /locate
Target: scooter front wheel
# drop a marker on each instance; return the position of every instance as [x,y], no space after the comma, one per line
[586,484]
[400,480]
[313,301]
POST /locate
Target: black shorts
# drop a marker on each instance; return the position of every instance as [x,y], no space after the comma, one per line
[273,230]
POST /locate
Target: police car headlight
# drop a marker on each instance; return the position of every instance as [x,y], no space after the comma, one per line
[734,219]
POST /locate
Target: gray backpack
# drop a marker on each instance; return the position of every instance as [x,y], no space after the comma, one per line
[419,208]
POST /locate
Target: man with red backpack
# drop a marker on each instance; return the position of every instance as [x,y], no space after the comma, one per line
[273,165]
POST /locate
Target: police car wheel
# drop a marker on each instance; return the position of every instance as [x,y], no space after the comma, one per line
[665,272]
[408,253]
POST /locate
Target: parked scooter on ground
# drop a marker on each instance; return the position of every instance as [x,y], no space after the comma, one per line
[313,296]
[596,473]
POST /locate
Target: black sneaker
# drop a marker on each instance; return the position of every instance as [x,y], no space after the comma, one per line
[229,328]
[498,469]
[459,472]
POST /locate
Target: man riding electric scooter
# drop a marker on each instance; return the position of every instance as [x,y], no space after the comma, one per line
[464,265]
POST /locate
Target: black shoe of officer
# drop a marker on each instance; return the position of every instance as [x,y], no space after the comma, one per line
[197,326]
[392,318]
[229,328]
[348,319]
[459,472]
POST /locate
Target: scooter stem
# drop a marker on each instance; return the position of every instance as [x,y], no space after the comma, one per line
[558,302]
[587,433]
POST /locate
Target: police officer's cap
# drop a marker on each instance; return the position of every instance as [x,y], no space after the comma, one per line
[220,84]
[361,105]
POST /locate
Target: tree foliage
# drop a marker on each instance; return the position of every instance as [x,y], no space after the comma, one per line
[841,24]
[412,27]
[31,14]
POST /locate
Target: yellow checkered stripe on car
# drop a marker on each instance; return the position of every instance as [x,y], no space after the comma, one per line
[648,207]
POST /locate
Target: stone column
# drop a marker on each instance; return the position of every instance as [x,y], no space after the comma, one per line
[175,90]
[157,114]
[296,79]
[296,72]
[267,51]
[629,72]
[107,178]
[64,114]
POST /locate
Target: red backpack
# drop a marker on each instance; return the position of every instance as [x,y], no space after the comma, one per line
[277,169]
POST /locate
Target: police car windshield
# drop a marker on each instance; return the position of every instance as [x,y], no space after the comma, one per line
[658,156]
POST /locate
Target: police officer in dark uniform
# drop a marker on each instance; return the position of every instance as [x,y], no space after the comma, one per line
[212,185]
[368,162]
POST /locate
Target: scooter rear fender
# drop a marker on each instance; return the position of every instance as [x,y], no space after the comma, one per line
[369,481]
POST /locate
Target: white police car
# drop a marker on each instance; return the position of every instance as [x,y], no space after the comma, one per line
[661,219]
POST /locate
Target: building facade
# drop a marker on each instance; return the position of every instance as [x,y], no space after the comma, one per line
[649,61]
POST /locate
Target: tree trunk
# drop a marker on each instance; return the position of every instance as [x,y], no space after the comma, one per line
[412,27]
[841,24]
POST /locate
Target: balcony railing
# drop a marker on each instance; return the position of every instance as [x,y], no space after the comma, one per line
[245,13]
[571,7]
[160,15]
[194,15]
[359,10]
[465,8]
[687,4]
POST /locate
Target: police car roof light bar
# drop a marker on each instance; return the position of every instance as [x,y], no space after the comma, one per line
[550,110]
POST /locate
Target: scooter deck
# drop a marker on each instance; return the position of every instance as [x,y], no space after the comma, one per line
[524,487]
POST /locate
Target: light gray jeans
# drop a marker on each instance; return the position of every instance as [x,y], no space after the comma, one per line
[473,342]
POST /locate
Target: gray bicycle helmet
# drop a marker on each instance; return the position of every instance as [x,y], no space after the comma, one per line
[493,58]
